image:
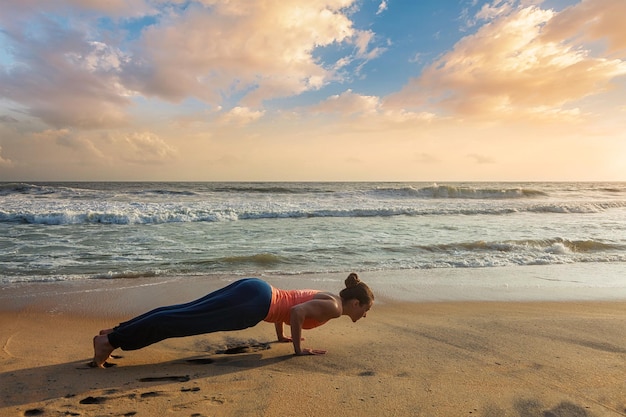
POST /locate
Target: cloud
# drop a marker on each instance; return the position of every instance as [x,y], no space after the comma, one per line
[143,148]
[239,116]
[495,9]
[591,20]
[258,49]
[401,116]
[508,69]
[70,70]
[370,113]
[348,103]
[8,119]
[100,57]
[52,134]
[481,159]
[89,153]
[61,77]
[4,161]
[382,7]
[82,146]
[114,8]
[77,143]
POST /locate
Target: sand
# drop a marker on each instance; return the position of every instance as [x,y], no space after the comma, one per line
[446,358]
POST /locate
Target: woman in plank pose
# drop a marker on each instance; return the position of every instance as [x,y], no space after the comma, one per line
[240,305]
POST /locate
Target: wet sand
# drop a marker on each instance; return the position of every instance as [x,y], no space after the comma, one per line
[418,358]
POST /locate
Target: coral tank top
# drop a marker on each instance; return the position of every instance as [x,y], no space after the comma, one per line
[283,300]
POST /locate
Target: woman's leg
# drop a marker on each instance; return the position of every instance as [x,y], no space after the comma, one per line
[178,307]
[240,305]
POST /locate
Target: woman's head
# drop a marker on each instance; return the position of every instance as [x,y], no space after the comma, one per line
[356,289]
[357,295]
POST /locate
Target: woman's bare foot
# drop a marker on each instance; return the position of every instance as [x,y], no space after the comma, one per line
[102,349]
[105,331]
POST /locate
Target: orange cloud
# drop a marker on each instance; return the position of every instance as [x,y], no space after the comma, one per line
[144,148]
[591,20]
[261,49]
[211,50]
[239,116]
[348,103]
[508,69]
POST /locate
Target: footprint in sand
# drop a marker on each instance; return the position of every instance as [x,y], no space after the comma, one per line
[245,348]
[150,394]
[92,400]
[214,401]
[175,378]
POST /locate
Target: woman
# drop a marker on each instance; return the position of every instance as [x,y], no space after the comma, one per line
[240,305]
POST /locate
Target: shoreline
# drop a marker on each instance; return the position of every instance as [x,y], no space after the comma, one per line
[131,296]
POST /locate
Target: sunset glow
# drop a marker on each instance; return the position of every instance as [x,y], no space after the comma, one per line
[313,90]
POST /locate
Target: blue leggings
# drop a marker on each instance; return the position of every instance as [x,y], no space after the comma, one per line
[240,305]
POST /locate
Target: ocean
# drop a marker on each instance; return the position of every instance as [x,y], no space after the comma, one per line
[105,230]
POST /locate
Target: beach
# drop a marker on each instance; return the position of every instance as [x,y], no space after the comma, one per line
[561,354]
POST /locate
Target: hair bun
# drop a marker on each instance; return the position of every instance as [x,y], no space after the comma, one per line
[352,280]
[357,290]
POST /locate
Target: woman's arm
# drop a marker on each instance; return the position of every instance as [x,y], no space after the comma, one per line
[280,335]
[316,309]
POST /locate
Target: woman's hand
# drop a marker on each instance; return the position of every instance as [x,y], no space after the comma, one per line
[308,352]
[286,339]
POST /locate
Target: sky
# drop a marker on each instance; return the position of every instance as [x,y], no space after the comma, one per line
[313,90]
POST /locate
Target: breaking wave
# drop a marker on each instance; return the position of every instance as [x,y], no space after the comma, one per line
[181,213]
[557,245]
[461,192]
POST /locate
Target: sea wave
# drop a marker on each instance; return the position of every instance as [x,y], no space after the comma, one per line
[116,217]
[91,190]
[577,207]
[265,188]
[261,259]
[159,213]
[163,192]
[556,245]
[24,188]
[461,192]
[69,190]
[128,274]
[405,191]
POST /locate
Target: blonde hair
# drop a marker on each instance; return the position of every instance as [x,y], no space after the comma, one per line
[356,289]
